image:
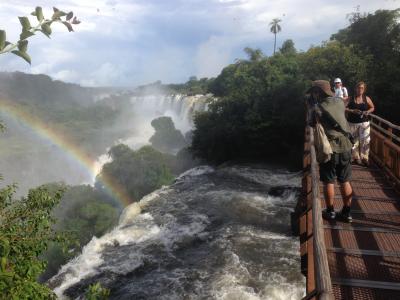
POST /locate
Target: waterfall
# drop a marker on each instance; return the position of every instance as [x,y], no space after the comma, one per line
[181,109]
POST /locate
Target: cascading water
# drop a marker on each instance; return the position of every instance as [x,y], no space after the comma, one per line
[214,234]
[180,108]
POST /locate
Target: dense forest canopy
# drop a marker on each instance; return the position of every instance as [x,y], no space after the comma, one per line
[260,110]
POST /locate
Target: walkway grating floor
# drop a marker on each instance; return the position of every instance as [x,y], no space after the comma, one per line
[364,256]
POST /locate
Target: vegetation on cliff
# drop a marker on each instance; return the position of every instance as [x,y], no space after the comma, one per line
[166,138]
[259,113]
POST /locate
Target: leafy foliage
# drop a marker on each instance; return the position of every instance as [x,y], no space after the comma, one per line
[377,36]
[259,113]
[288,48]
[97,292]
[26,230]
[139,172]
[20,47]
[167,138]
[83,212]
[334,59]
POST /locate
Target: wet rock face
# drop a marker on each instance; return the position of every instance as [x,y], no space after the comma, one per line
[213,234]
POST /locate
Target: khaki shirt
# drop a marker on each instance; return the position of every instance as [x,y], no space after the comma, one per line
[335,107]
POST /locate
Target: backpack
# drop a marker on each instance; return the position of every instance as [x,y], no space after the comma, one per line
[323,148]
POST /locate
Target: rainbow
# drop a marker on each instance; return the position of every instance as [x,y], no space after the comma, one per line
[66,145]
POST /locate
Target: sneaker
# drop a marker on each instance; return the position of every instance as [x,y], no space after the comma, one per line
[345,216]
[329,214]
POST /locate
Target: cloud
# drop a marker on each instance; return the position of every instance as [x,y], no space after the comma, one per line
[106,75]
[126,42]
[66,75]
[213,55]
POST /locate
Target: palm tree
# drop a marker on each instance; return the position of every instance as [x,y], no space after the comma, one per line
[275,28]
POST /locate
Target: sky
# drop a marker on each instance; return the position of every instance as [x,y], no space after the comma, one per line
[132,42]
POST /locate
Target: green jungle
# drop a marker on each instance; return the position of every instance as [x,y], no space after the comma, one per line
[257,113]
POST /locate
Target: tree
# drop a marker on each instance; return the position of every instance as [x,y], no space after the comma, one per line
[26,230]
[83,212]
[334,59]
[138,172]
[275,28]
[258,115]
[254,54]
[288,48]
[377,35]
[167,138]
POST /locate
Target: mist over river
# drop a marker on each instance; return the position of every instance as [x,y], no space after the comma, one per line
[214,234]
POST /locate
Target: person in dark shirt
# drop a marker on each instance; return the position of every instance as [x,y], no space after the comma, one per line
[329,111]
[357,115]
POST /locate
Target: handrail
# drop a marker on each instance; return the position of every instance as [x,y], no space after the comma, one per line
[390,124]
[385,147]
[323,278]
[388,131]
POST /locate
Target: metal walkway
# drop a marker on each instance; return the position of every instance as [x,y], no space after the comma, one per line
[364,256]
[360,260]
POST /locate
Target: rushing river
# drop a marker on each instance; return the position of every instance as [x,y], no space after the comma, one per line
[214,234]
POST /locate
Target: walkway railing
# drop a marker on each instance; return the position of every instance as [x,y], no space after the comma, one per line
[319,285]
[385,151]
[385,147]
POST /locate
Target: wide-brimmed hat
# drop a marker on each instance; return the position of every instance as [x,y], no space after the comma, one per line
[323,85]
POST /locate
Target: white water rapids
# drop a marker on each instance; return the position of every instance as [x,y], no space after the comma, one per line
[214,234]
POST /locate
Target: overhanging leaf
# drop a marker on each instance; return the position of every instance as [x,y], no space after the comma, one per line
[58,13]
[75,21]
[23,45]
[7,43]
[46,29]
[26,25]
[69,15]
[68,25]
[25,34]
[2,39]
[39,13]
[24,55]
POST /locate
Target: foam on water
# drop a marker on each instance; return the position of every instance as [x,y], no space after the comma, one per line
[210,235]
[141,228]
[197,171]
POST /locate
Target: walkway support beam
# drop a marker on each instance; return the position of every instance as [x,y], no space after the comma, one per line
[322,275]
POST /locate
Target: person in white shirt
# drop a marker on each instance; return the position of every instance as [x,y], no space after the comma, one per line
[340,90]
